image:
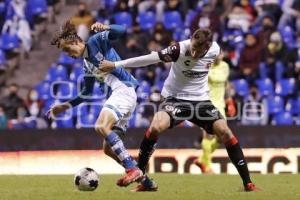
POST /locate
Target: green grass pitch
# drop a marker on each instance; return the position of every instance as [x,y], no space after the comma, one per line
[171,186]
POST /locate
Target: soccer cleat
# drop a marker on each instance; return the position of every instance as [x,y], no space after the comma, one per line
[146,185]
[132,175]
[250,187]
[143,188]
[203,167]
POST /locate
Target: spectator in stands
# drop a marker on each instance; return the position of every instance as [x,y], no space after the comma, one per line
[254,109]
[246,5]
[222,8]
[175,5]
[291,12]
[12,101]
[250,58]
[157,5]
[3,118]
[34,104]
[239,19]
[83,20]
[206,19]
[52,9]
[161,35]
[268,7]
[16,23]
[121,6]
[268,27]
[276,52]
[2,13]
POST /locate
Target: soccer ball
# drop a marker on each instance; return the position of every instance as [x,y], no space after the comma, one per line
[86,179]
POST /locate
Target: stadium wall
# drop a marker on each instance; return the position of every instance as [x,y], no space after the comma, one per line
[164,161]
[87,139]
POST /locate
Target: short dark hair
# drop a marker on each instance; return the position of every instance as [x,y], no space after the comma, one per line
[68,32]
[202,35]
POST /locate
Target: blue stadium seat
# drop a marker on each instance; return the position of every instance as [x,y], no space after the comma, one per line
[285,87]
[66,91]
[76,73]
[2,58]
[9,42]
[287,34]
[263,71]
[265,86]
[43,90]
[37,7]
[241,87]
[95,109]
[64,59]
[123,18]
[97,92]
[147,20]
[143,91]
[65,123]
[87,121]
[189,18]
[293,106]
[284,118]
[172,20]
[109,4]
[275,104]
[57,73]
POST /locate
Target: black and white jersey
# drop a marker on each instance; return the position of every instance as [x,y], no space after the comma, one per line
[188,77]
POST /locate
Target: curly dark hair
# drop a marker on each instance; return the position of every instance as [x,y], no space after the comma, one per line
[68,32]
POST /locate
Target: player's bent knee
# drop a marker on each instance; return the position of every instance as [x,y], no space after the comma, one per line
[101,129]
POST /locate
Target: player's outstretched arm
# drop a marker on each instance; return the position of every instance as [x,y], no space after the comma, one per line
[114,31]
[135,62]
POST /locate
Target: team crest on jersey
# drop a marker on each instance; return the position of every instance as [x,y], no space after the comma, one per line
[99,56]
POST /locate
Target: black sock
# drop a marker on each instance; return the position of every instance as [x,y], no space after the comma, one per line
[146,150]
[236,156]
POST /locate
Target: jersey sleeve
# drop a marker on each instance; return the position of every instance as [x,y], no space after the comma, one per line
[170,54]
[86,91]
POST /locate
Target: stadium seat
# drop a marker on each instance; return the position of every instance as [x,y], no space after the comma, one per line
[2,58]
[293,106]
[86,121]
[241,87]
[77,74]
[64,59]
[189,18]
[9,42]
[147,20]
[285,87]
[57,73]
[65,123]
[265,86]
[123,18]
[275,104]
[143,91]
[66,90]
[172,20]
[37,7]
[95,109]
[287,34]
[263,71]
[43,90]
[284,118]
[109,4]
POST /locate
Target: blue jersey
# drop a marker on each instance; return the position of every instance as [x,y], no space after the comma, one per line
[98,48]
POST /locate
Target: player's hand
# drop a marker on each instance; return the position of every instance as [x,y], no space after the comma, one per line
[56,110]
[107,66]
[98,27]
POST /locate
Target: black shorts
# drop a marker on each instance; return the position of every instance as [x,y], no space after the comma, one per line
[201,113]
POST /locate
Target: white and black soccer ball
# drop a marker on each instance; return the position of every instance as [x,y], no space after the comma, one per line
[86,179]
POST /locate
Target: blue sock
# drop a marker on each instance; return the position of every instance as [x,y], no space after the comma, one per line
[116,144]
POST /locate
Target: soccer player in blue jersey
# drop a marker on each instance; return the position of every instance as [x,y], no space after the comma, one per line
[119,86]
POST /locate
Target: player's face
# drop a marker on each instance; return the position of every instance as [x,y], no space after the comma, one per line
[73,49]
[198,50]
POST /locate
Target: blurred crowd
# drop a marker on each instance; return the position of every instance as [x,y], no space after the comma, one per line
[260,40]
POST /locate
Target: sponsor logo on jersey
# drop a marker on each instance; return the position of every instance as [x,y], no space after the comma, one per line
[194,74]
